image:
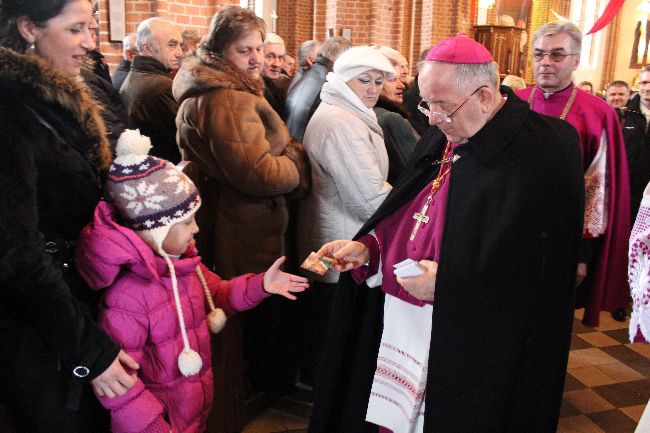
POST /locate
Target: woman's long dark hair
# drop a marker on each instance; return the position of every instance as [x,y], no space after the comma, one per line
[39,11]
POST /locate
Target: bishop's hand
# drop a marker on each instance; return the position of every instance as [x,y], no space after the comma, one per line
[422,287]
[348,254]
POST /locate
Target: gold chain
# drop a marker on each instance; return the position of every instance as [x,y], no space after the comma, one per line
[567,106]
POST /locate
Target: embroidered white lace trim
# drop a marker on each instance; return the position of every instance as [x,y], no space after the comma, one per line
[597,192]
[397,395]
[639,270]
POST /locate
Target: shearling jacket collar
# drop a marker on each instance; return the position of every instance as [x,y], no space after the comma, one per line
[22,74]
[205,71]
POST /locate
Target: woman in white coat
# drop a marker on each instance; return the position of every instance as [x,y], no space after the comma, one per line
[349,164]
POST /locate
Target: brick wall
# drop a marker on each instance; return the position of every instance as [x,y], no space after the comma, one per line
[187,14]
[407,25]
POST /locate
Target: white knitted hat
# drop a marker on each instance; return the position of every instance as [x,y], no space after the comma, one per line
[358,60]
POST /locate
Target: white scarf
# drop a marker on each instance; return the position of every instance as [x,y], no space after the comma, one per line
[336,92]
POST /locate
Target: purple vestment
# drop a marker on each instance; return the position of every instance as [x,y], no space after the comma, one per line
[393,232]
[591,116]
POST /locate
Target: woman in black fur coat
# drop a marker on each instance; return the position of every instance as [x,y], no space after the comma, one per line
[53,153]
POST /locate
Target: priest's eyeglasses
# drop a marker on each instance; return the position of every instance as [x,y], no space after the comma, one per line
[554,56]
[424,108]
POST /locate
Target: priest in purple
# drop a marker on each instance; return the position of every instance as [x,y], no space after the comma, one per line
[474,334]
[602,272]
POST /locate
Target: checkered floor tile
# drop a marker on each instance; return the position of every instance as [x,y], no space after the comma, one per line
[608,379]
[607,385]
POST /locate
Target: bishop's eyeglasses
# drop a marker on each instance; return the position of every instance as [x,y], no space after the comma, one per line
[424,108]
[554,56]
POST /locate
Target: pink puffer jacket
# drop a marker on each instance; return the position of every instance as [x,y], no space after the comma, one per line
[139,313]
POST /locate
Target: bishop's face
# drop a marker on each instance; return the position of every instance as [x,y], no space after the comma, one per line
[553,75]
[438,90]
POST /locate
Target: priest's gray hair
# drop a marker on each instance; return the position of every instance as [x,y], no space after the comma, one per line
[569,28]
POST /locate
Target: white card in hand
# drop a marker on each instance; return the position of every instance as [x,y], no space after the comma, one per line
[408,268]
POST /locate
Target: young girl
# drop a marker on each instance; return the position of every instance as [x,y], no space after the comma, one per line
[140,247]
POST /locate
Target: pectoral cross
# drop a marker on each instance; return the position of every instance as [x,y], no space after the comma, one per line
[420,218]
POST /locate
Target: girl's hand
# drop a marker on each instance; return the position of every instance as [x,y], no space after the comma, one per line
[115,380]
[281,283]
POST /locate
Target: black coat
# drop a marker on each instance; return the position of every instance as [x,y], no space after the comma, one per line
[304,97]
[151,107]
[412,98]
[399,136]
[503,306]
[637,147]
[53,150]
[111,104]
[275,92]
[120,73]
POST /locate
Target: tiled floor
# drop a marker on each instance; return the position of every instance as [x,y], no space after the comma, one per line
[607,386]
[608,379]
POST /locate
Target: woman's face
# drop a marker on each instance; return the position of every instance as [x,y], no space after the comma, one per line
[65,39]
[247,53]
[367,86]
[393,89]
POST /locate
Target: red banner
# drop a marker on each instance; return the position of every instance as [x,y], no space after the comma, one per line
[610,12]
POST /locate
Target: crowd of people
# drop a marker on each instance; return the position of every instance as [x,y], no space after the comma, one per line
[464,220]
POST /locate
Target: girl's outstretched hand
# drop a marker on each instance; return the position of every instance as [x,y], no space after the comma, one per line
[281,283]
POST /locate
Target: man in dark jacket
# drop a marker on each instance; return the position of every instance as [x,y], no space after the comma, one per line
[307,53]
[490,211]
[129,51]
[634,120]
[147,90]
[276,83]
[304,96]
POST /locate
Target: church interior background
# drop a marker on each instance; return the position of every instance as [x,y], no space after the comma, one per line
[608,379]
[614,53]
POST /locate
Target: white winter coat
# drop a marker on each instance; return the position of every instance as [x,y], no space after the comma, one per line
[349,167]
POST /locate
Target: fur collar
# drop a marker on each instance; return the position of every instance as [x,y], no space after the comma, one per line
[206,71]
[34,75]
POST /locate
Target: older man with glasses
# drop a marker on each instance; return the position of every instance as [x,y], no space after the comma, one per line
[457,314]
[602,272]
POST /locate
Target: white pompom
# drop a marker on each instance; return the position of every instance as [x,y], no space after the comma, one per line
[189,362]
[131,142]
[216,320]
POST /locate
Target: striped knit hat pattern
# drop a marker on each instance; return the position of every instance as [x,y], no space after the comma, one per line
[150,193]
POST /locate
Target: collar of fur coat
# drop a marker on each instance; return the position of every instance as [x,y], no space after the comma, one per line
[205,71]
[32,74]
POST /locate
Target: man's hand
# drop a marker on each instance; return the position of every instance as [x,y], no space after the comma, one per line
[115,380]
[581,273]
[348,254]
[423,286]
